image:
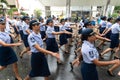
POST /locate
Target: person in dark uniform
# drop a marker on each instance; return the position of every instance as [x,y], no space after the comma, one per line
[7,54]
[90,57]
[39,63]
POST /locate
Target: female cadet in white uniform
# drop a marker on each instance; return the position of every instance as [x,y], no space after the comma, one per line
[42,28]
[38,60]
[102,27]
[69,29]
[91,57]
[20,25]
[115,29]
[63,37]
[109,25]
[26,32]
[51,43]
[103,24]
[7,54]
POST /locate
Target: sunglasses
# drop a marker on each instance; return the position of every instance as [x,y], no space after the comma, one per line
[93,33]
[51,22]
[35,23]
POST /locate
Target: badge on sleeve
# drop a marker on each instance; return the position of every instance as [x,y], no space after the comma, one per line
[91,54]
[32,39]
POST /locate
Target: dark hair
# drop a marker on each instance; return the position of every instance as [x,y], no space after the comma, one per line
[48,21]
[25,18]
[103,17]
[109,19]
[62,20]
[2,21]
[84,37]
[88,23]
[66,19]
[117,20]
[40,19]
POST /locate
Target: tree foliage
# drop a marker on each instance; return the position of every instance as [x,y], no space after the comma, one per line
[37,13]
[10,11]
[115,15]
[116,12]
[117,7]
[4,1]
[23,13]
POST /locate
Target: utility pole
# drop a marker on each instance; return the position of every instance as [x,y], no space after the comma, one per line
[106,8]
[68,5]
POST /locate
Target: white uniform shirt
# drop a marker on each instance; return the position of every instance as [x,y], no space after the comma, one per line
[115,28]
[81,23]
[103,24]
[49,32]
[109,24]
[67,25]
[7,29]
[19,24]
[55,22]
[89,52]
[33,39]
[62,28]
[4,36]
[42,27]
[24,28]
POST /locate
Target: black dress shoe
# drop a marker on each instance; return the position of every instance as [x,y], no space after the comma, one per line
[115,57]
[66,52]
[16,78]
[75,53]
[101,57]
[59,63]
[98,48]
[112,51]
[110,73]
[71,66]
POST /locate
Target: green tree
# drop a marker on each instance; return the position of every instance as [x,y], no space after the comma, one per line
[37,13]
[10,11]
[23,13]
[4,1]
[115,15]
[116,12]
[117,7]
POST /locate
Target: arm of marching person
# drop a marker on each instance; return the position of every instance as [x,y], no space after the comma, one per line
[9,45]
[105,63]
[33,43]
[102,38]
[46,51]
[107,31]
[58,33]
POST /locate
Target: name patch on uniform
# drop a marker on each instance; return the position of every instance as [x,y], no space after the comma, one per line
[91,54]
[32,39]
